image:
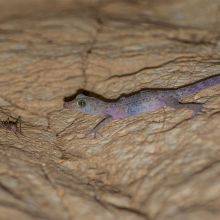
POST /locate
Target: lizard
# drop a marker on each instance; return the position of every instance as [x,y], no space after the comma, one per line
[146,100]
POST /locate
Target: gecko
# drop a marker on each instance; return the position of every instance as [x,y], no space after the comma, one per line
[146,100]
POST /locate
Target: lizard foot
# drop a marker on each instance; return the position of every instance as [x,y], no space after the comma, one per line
[94,134]
[198,108]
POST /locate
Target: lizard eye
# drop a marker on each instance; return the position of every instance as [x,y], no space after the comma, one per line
[81,103]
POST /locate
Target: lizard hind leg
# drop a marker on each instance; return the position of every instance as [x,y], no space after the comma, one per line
[197,108]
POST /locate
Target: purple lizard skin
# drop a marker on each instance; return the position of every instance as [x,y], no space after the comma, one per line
[147,100]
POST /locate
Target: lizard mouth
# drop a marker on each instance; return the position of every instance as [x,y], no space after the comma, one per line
[67,105]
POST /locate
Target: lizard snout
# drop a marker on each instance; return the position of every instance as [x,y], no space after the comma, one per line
[67,105]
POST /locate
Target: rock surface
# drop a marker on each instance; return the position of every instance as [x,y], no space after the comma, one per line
[158,166]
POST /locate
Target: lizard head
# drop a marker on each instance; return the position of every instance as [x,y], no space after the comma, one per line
[86,104]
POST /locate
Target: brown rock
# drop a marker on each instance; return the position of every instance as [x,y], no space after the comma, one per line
[157,166]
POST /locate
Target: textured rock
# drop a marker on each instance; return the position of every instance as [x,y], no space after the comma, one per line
[155,166]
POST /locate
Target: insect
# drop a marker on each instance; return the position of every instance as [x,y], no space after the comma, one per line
[14,126]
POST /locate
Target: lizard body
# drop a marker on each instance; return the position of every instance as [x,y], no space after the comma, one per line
[147,100]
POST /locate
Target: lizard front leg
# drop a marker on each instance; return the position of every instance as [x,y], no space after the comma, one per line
[101,124]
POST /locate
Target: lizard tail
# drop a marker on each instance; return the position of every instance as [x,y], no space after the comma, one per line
[198,86]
